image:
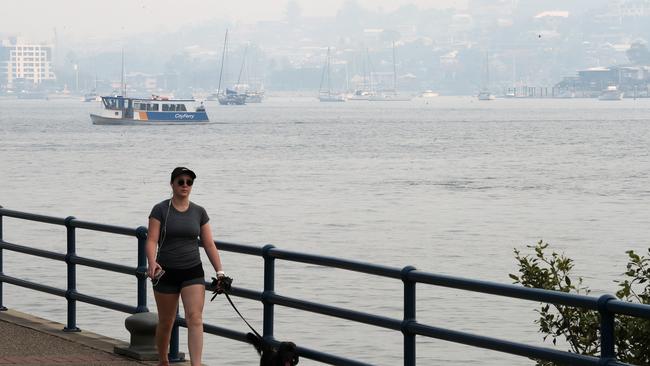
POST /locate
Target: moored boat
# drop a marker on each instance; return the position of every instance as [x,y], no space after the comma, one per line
[611,93]
[91,97]
[329,97]
[390,97]
[231,97]
[485,95]
[119,110]
[429,94]
[254,96]
[360,94]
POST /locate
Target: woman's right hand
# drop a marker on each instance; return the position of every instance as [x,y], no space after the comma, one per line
[153,269]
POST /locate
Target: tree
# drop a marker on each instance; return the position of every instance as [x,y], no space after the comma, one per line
[579,328]
[638,53]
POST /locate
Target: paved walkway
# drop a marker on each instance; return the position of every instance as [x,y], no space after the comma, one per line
[29,340]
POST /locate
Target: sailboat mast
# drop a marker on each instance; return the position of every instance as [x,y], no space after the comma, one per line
[223,56]
[243,62]
[122,82]
[487,70]
[394,71]
[329,88]
[322,77]
[371,86]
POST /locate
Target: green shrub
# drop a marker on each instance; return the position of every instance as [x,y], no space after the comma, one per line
[579,328]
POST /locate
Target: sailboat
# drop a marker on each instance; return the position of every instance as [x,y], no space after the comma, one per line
[391,95]
[365,92]
[327,95]
[228,96]
[253,95]
[484,93]
[92,96]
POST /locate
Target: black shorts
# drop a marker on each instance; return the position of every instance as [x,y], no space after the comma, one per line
[174,279]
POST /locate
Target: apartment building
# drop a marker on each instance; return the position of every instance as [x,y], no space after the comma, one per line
[25,65]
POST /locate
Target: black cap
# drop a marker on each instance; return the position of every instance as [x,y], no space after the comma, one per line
[180,171]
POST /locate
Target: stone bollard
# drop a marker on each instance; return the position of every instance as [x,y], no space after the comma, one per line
[142,327]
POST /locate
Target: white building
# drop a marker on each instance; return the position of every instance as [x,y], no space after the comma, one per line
[25,65]
[635,8]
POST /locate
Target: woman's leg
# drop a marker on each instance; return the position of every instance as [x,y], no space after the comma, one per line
[167,305]
[193,299]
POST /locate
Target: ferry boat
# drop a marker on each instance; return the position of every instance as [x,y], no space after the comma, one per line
[119,110]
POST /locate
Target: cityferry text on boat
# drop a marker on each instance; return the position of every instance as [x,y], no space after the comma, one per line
[118,110]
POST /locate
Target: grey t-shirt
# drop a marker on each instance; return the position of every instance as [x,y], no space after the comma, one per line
[180,232]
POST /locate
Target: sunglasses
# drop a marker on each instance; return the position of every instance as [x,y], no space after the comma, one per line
[182,182]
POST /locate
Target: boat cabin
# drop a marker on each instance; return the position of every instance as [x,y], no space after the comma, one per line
[149,105]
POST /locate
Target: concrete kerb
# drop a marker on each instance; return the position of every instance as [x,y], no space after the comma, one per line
[84,338]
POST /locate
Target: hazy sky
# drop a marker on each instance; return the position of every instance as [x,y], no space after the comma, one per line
[36,19]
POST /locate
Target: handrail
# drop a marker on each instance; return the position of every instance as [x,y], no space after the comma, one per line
[606,305]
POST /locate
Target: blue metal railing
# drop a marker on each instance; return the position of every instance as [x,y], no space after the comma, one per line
[606,305]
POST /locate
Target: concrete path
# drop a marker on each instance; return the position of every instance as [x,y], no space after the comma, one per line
[29,340]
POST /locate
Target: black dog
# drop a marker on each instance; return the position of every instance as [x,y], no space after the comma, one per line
[283,355]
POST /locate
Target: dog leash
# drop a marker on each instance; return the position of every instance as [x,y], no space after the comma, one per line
[241,316]
[223,288]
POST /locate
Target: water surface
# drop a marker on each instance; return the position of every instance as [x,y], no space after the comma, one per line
[450,186]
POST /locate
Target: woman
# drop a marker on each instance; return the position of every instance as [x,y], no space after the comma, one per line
[175,267]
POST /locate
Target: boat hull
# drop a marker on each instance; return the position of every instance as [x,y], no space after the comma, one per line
[253,99]
[390,98]
[236,99]
[611,96]
[101,120]
[331,100]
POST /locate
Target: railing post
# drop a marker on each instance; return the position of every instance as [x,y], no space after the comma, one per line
[2,308]
[409,316]
[141,233]
[72,276]
[607,350]
[269,288]
[174,355]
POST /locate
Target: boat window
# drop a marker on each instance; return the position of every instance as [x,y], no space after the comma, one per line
[136,105]
[172,107]
[165,107]
[181,107]
[148,106]
[113,104]
[155,107]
